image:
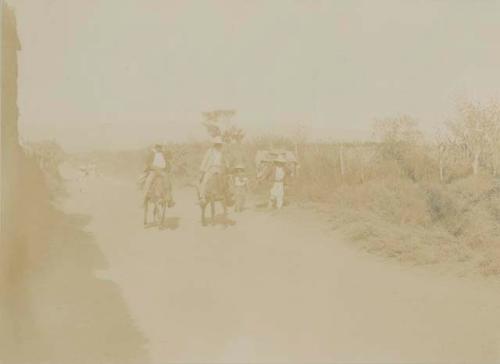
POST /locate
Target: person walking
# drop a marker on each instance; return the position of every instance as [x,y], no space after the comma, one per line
[278,174]
[240,183]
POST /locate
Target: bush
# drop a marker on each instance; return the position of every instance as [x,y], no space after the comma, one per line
[424,223]
[396,207]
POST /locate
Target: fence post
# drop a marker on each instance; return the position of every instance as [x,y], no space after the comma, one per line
[342,165]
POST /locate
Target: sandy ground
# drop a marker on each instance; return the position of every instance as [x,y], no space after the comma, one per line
[278,287]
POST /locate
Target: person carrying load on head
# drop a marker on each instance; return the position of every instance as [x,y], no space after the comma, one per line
[240,184]
[278,174]
[214,163]
[157,166]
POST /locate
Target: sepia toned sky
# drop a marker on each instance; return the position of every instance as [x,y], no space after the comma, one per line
[123,73]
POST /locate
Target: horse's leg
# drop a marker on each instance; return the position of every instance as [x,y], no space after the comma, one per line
[203,218]
[155,212]
[237,202]
[146,205]
[164,209]
[212,211]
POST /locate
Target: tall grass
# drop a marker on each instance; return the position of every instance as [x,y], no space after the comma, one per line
[401,196]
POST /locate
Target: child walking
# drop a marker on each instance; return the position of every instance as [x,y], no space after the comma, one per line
[240,187]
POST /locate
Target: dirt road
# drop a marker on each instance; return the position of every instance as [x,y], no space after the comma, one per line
[279,287]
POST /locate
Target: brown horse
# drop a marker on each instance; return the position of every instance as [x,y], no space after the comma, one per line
[157,195]
[217,190]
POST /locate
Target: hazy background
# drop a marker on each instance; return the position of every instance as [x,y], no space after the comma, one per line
[122,73]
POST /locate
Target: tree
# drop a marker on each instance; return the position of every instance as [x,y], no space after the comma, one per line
[445,149]
[219,123]
[477,130]
[400,130]
[300,136]
[364,154]
[493,136]
[48,154]
[398,140]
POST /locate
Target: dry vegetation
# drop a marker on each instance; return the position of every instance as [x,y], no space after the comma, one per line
[415,200]
[402,195]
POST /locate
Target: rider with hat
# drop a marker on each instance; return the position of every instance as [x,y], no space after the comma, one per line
[214,163]
[157,166]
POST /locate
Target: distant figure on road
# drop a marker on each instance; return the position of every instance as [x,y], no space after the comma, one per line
[92,169]
[278,173]
[84,170]
[83,175]
[214,164]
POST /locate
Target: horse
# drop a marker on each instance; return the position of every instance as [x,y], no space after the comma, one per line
[83,176]
[157,194]
[217,189]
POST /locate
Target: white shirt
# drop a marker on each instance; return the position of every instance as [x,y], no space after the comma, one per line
[217,158]
[240,181]
[279,174]
[159,161]
[213,158]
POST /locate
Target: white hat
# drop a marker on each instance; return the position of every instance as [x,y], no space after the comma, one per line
[217,140]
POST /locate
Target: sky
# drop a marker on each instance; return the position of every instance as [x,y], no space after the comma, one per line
[126,73]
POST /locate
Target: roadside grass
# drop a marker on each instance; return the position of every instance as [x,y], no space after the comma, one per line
[389,209]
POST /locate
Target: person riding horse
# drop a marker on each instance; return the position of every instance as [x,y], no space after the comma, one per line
[157,166]
[155,180]
[214,164]
[213,183]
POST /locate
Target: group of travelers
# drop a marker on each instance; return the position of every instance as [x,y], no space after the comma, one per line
[215,167]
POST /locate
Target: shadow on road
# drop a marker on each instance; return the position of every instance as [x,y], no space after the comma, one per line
[222,220]
[58,311]
[170,223]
